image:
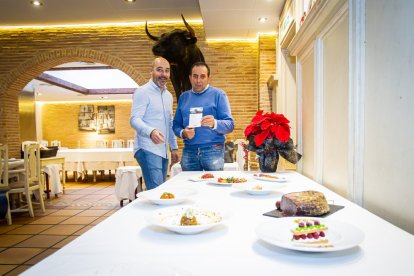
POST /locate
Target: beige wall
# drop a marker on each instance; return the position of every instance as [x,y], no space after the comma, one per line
[308,116]
[335,109]
[389,101]
[27,52]
[60,122]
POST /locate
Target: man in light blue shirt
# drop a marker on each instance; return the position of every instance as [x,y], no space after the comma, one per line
[151,117]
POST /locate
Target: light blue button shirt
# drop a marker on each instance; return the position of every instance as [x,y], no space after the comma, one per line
[152,109]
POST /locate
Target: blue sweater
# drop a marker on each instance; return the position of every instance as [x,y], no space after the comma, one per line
[214,102]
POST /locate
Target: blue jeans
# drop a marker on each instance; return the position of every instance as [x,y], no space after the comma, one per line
[154,168]
[210,158]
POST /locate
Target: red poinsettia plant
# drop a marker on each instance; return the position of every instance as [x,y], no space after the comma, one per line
[269,136]
[268,126]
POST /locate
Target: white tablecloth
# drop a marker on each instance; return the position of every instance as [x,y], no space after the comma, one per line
[95,159]
[127,240]
[54,178]
[176,168]
[127,181]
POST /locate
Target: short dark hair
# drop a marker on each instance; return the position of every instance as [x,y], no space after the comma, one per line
[200,63]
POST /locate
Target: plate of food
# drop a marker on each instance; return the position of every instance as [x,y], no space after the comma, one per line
[227,180]
[310,234]
[187,219]
[202,177]
[167,196]
[259,188]
[269,177]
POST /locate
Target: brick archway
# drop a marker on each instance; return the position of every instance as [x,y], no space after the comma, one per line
[17,79]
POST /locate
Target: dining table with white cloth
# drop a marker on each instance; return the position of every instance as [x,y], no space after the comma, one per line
[80,160]
[126,242]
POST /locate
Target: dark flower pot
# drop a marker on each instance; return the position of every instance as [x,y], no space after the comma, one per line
[268,161]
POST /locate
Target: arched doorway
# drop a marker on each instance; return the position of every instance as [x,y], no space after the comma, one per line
[25,72]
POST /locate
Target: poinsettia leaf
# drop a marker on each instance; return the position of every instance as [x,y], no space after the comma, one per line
[273,129]
[259,138]
[249,129]
[283,133]
[279,119]
[265,124]
[258,119]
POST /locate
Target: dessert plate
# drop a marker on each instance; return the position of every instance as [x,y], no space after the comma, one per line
[269,177]
[170,219]
[180,194]
[341,235]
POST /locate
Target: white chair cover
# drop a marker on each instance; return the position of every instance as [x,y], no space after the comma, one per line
[127,181]
[54,178]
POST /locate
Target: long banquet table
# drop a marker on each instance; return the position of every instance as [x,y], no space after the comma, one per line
[126,242]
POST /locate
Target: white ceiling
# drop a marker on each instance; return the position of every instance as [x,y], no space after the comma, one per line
[221,18]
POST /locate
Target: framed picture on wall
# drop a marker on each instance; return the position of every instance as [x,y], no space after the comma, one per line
[86,118]
[86,108]
[106,119]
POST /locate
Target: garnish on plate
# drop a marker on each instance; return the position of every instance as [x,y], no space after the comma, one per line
[310,232]
[167,195]
[207,175]
[188,218]
[231,180]
[257,187]
[266,175]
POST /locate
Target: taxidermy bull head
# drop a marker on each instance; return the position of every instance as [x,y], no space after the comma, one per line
[180,49]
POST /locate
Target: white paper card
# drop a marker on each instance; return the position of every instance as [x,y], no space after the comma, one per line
[196,114]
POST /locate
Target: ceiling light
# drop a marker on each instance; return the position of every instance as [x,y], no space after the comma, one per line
[130,1]
[262,19]
[36,3]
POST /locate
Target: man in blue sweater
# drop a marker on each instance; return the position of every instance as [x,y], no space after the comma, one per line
[202,119]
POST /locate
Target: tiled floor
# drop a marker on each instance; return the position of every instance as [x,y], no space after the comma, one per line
[29,240]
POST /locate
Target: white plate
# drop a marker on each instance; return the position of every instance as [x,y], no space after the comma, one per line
[170,219]
[216,182]
[341,235]
[198,178]
[278,179]
[266,188]
[180,194]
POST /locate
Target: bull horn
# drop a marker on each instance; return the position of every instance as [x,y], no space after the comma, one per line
[150,35]
[191,30]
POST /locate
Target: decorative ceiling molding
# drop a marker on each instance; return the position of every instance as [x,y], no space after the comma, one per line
[81,68]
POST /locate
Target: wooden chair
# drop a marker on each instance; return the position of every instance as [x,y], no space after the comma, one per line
[130,143]
[44,143]
[28,179]
[4,182]
[101,143]
[117,143]
[55,143]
